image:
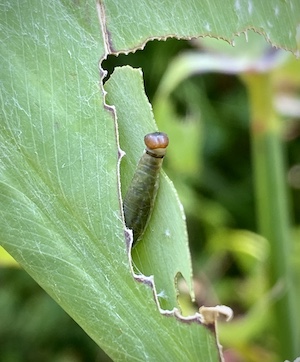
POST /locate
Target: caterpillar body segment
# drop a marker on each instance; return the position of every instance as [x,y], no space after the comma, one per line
[140,197]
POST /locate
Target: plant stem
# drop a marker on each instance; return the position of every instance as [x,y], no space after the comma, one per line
[272,206]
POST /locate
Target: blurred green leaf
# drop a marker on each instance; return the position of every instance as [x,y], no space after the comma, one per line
[6,259]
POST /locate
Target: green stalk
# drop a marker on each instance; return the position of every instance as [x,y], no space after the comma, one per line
[272,206]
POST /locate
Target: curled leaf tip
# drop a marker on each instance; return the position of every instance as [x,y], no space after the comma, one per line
[211,314]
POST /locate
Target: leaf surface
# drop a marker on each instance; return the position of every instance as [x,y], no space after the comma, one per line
[61,216]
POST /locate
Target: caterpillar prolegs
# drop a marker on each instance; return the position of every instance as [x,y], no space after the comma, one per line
[140,197]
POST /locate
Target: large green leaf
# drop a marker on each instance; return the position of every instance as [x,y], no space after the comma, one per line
[130,23]
[61,215]
[60,198]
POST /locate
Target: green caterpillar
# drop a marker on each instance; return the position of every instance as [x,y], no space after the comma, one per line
[140,197]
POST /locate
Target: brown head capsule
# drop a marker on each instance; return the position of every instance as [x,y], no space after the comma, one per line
[156,144]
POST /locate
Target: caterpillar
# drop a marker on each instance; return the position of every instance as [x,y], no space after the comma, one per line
[140,197]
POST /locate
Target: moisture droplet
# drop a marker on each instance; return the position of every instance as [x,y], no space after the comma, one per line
[168,233]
